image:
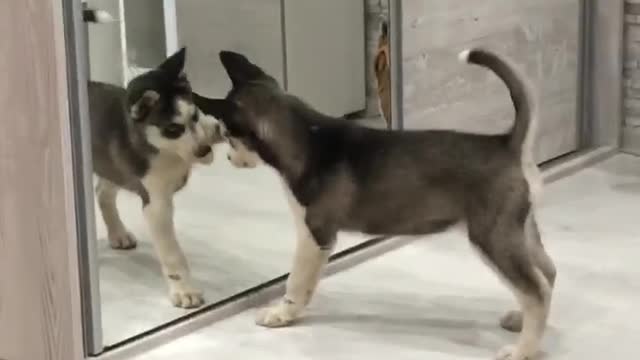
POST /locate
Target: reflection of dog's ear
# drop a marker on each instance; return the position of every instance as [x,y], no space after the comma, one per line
[142,108]
[381,64]
[220,109]
[174,64]
[239,68]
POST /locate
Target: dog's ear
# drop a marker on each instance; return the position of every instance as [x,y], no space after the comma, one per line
[218,108]
[143,106]
[239,68]
[174,64]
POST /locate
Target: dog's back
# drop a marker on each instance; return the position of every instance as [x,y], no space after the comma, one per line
[405,182]
[120,153]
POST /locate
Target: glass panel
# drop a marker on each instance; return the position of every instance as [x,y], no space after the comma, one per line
[184,219]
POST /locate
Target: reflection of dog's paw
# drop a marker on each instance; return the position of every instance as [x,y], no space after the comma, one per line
[275,316]
[122,241]
[186,297]
[512,321]
[511,353]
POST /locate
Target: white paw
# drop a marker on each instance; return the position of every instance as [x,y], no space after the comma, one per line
[185,296]
[274,316]
[122,241]
[511,352]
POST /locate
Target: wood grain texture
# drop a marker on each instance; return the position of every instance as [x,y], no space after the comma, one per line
[39,294]
[541,36]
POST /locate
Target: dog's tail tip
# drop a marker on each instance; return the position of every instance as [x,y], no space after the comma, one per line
[463,56]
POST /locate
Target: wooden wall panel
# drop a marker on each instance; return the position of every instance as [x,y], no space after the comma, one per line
[39,293]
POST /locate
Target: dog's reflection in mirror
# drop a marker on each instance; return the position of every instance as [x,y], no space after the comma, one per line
[145,139]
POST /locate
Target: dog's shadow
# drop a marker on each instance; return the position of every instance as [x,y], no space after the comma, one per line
[458,326]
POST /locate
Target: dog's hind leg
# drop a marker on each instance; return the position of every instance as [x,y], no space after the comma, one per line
[158,213]
[500,237]
[119,237]
[313,248]
[512,321]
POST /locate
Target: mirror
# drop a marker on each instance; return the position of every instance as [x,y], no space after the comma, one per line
[178,226]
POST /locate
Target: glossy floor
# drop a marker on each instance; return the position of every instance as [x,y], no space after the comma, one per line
[433,299]
[234,227]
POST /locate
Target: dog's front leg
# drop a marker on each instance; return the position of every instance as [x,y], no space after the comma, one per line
[119,237]
[159,215]
[313,248]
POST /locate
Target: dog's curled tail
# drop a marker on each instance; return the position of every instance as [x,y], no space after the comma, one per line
[97,16]
[523,130]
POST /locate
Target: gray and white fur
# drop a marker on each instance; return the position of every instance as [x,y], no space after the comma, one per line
[145,139]
[343,177]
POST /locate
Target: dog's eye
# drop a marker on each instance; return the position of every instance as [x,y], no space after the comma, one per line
[196,116]
[173,131]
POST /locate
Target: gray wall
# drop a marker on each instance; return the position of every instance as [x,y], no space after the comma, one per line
[145,32]
[252,27]
[542,36]
[105,53]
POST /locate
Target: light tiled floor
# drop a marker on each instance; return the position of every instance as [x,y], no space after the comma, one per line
[235,229]
[433,299]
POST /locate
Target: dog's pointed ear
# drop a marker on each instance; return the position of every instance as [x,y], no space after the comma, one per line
[218,108]
[239,68]
[174,64]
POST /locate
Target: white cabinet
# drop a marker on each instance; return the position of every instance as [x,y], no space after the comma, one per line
[316,49]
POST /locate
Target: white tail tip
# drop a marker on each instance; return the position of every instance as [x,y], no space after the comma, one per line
[103,17]
[463,56]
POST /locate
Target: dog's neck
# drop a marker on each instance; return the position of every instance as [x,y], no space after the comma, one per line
[291,156]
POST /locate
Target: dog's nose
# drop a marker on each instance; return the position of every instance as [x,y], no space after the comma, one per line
[245,164]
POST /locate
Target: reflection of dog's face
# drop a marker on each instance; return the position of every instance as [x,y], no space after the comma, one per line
[383,73]
[160,105]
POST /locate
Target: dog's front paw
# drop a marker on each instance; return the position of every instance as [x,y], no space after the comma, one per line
[512,352]
[512,321]
[275,316]
[185,296]
[122,241]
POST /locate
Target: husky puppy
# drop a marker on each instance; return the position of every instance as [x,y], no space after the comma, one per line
[337,174]
[382,70]
[145,139]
